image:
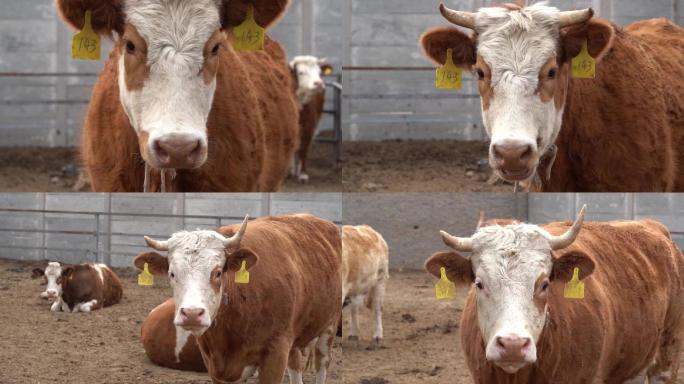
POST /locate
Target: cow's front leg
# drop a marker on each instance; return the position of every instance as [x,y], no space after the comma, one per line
[274,364]
[85,307]
[57,305]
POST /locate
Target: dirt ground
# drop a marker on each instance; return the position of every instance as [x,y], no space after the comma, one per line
[40,346]
[417,166]
[30,169]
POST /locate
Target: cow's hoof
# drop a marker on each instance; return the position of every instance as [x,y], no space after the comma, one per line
[303,178]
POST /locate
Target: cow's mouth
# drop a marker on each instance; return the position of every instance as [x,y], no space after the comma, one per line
[510,367]
[516,174]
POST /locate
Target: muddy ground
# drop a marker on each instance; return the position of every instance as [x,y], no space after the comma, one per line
[418,166]
[31,169]
[39,346]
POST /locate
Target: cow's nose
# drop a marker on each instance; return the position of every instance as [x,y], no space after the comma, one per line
[513,348]
[513,158]
[319,84]
[191,316]
[51,293]
[179,151]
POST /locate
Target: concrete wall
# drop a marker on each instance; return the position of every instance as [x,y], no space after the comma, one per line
[410,223]
[393,104]
[121,233]
[48,111]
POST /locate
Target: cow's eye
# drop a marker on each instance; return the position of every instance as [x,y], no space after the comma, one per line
[214,51]
[480,74]
[544,286]
[172,275]
[130,47]
[218,274]
[552,73]
[479,285]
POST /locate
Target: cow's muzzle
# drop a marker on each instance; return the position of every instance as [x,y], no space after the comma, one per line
[513,160]
[174,151]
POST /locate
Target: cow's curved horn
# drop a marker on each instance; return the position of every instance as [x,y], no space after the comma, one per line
[568,18]
[562,241]
[464,244]
[157,244]
[481,222]
[461,18]
[234,240]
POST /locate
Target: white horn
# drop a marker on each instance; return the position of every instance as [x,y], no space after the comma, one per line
[234,240]
[464,244]
[562,241]
[568,18]
[461,18]
[158,245]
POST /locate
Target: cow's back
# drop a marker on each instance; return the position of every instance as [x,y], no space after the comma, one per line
[365,259]
[634,290]
[630,114]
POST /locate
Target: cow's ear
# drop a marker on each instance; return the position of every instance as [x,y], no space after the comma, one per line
[598,33]
[436,41]
[67,270]
[326,69]
[564,266]
[37,272]
[234,259]
[458,269]
[156,263]
[107,15]
[266,12]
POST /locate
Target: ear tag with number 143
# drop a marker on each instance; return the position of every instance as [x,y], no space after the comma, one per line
[248,36]
[448,76]
[574,289]
[583,65]
[85,45]
[145,278]
[445,288]
[242,276]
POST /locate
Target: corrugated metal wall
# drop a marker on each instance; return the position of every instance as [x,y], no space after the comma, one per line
[105,222]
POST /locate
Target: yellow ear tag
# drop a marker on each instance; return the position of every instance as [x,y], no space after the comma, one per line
[328,71]
[85,45]
[444,289]
[145,278]
[242,276]
[248,36]
[448,76]
[574,289]
[583,65]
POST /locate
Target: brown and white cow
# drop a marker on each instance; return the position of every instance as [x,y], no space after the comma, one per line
[517,327]
[293,295]
[80,288]
[168,345]
[176,99]
[310,92]
[365,270]
[622,131]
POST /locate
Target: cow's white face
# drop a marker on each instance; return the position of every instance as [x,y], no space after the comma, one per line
[307,69]
[512,266]
[167,77]
[196,267]
[522,85]
[53,275]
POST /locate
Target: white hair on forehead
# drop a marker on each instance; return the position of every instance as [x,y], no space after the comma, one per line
[195,241]
[175,30]
[305,60]
[517,43]
[53,267]
[511,237]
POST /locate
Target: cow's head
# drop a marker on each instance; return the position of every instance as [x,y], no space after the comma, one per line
[513,270]
[168,57]
[197,263]
[521,57]
[308,71]
[53,276]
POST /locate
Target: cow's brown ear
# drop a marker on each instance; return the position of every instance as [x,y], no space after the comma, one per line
[458,268]
[234,259]
[107,15]
[436,41]
[564,266]
[37,272]
[598,33]
[156,263]
[67,270]
[266,12]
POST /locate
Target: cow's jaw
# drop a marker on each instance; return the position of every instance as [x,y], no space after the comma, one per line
[196,261]
[514,48]
[168,80]
[510,264]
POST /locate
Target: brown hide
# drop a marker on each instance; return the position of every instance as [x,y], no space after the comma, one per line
[158,336]
[309,116]
[624,130]
[293,296]
[252,129]
[81,283]
[632,307]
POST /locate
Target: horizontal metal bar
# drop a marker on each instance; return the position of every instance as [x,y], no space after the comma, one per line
[49,74]
[121,214]
[431,96]
[43,102]
[65,250]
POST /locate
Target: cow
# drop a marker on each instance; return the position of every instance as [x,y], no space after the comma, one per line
[365,270]
[517,327]
[177,107]
[555,133]
[167,345]
[310,92]
[81,287]
[294,294]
